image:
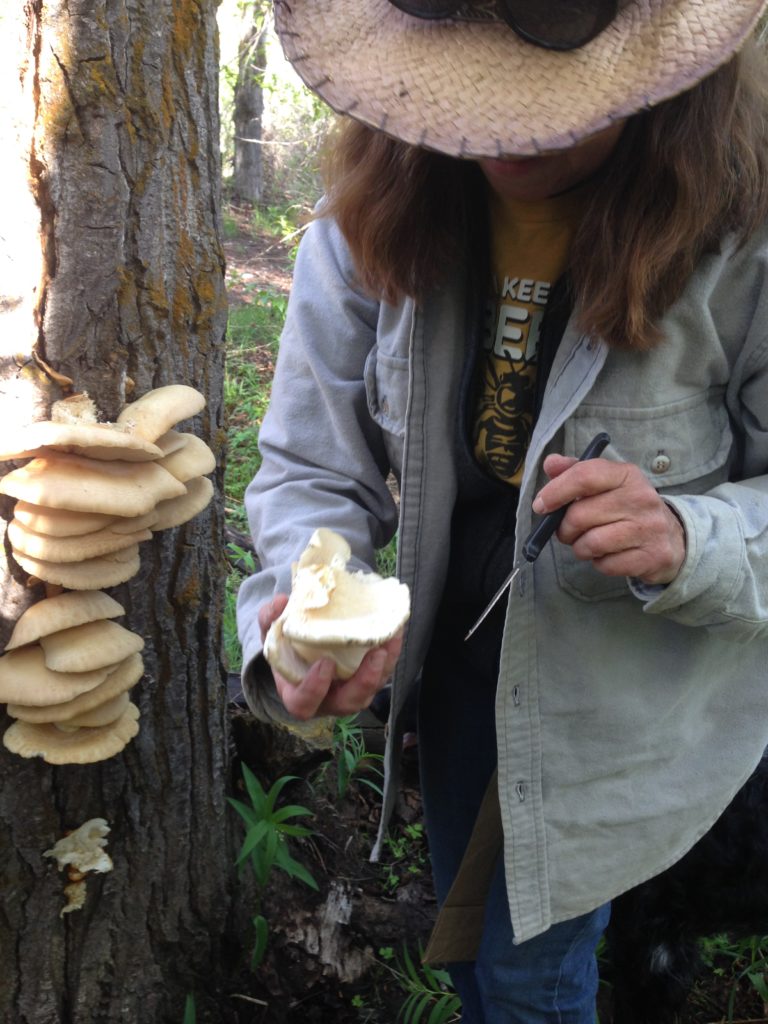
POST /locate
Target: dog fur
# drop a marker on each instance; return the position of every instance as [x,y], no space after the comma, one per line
[720,886]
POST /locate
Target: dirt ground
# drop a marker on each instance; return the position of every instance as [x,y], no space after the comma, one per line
[254,259]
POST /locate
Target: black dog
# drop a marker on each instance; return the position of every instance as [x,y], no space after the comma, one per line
[720,886]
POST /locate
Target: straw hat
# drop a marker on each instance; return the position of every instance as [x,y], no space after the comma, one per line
[474,88]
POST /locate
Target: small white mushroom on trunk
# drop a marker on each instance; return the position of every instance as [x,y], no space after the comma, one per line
[333,613]
[83,848]
[81,852]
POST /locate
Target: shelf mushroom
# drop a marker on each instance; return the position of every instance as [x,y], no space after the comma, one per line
[333,613]
[150,416]
[58,744]
[90,495]
[67,670]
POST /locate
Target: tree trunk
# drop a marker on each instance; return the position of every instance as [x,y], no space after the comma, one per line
[248,177]
[112,283]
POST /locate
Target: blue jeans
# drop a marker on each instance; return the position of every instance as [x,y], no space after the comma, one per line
[551,979]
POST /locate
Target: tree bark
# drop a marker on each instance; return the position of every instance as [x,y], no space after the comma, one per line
[248,176]
[113,118]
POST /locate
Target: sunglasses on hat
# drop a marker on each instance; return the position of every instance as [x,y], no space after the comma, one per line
[552,24]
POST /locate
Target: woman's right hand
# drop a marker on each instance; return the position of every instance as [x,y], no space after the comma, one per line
[319,693]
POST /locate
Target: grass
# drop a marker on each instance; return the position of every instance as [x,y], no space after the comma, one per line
[252,339]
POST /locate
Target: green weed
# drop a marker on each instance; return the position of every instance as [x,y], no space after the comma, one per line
[351,757]
[190,1012]
[738,962]
[431,998]
[407,851]
[265,846]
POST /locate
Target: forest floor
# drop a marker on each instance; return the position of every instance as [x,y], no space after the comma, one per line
[356,971]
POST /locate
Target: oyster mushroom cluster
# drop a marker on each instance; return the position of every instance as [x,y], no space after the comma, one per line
[333,612]
[65,677]
[93,492]
[90,495]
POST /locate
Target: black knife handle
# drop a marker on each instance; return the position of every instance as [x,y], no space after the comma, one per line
[543,530]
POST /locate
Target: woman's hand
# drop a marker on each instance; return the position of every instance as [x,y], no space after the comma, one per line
[617,520]
[319,693]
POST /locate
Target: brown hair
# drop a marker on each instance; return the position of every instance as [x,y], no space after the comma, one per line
[682,176]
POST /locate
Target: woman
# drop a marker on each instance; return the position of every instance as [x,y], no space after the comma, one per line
[546,220]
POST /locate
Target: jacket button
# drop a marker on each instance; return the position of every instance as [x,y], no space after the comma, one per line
[661,463]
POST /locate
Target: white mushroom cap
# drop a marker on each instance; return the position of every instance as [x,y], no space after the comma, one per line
[333,613]
[103,714]
[92,440]
[176,511]
[157,411]
[325,547]
[62,612]
[92,645]
[83,848]
[193,459]
[81,746]
[171,441]
[71,549]
[120,680]
[133,524]
[83,485]
[60,522]
[26,679]
[339,607]
[92,574]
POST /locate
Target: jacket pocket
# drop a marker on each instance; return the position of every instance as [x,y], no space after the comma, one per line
[386,388]
[683,447]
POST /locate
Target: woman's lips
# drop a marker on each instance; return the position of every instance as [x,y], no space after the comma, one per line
[514,167]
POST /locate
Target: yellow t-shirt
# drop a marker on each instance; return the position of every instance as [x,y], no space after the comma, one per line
[529,252]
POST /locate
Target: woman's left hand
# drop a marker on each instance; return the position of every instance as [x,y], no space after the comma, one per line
[617,520]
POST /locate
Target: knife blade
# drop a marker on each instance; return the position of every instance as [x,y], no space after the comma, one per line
[537,539]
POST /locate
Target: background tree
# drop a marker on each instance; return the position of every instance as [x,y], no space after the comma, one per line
[112,283]
[248,175]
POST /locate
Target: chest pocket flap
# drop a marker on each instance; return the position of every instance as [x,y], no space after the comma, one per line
[683,447]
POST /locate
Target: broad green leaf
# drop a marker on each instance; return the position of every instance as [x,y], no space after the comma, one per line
[294,868]
[296,830]
[290,811]
[248,815]
[253,838]
[276,789]
[255,791]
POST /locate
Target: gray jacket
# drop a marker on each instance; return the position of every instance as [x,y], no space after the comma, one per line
[627,716]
